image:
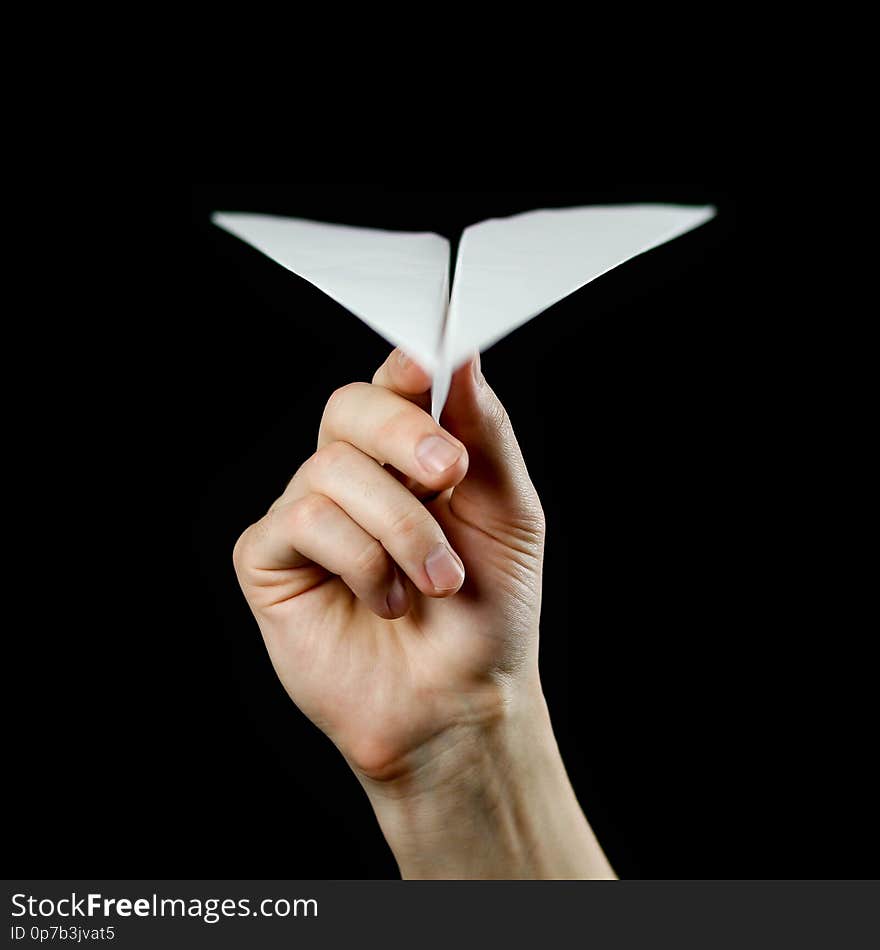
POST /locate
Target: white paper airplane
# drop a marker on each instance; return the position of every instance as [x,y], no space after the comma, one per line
[507,271]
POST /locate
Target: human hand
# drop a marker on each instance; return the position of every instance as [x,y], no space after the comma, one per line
[397,584]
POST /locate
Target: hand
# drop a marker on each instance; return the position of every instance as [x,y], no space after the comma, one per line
[397,584]
[360,588]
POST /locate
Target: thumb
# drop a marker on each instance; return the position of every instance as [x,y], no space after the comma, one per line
[497,490]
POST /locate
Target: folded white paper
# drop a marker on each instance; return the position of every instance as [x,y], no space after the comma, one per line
[508,270]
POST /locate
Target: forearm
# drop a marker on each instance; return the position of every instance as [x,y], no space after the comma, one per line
[490,802]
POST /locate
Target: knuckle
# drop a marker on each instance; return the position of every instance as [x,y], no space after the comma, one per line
[409,523]
[497,418]
[306,513]
[248,540]
[330,458]
[530,522]
[406,419]
[240,550]
[536,518]
[340,399]
[540,517]
[371,562]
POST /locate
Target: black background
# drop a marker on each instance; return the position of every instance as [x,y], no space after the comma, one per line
[691,674]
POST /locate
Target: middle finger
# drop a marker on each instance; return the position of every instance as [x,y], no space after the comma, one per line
[385,509]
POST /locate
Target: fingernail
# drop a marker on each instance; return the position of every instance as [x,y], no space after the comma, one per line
[444,569]
[478,372]
[402,359]
[397,599]
[436,454]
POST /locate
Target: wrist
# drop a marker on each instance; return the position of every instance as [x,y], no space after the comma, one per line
[489,801]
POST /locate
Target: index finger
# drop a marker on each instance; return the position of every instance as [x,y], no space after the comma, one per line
[402,375]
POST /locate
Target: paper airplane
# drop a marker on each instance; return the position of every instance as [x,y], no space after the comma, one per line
[508,270]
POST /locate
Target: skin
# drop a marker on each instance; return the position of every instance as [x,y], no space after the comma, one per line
[397,585]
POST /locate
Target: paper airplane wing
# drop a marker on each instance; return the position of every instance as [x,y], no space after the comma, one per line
[510,269]
[397,282]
